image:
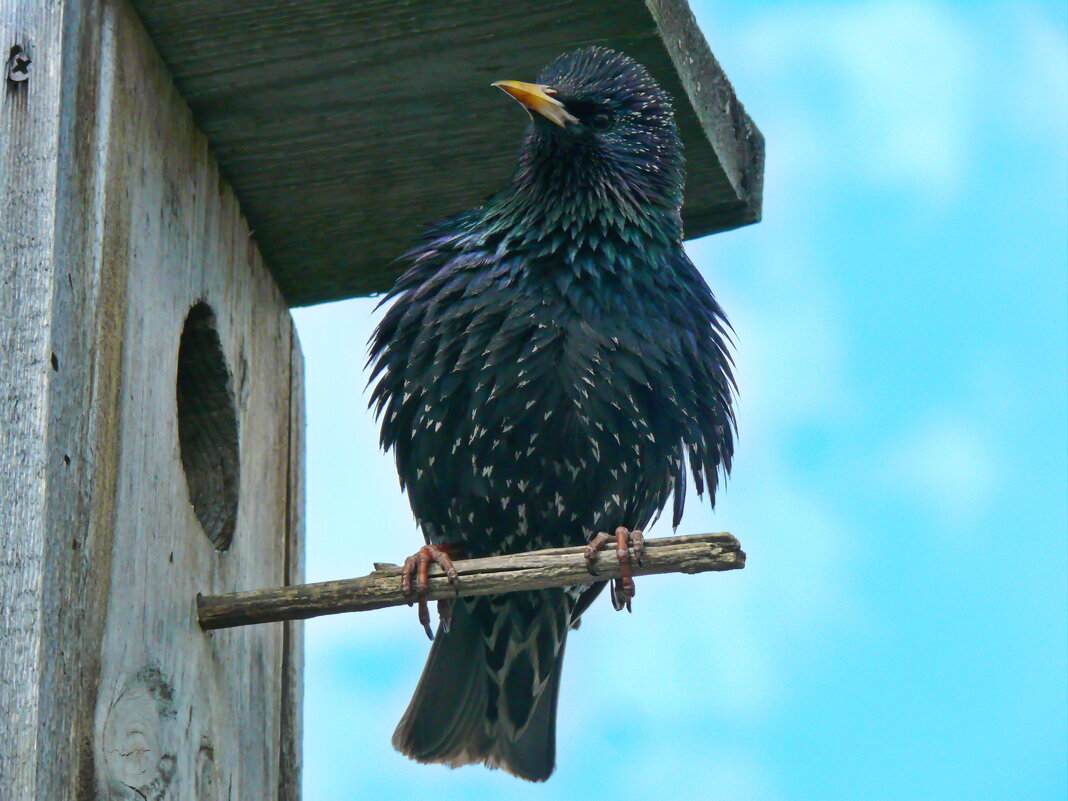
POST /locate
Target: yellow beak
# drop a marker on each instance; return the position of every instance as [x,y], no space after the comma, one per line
[535,97]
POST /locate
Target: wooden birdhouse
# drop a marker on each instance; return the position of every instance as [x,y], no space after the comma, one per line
[174,177]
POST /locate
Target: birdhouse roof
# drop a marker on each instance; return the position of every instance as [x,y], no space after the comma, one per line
[346,127]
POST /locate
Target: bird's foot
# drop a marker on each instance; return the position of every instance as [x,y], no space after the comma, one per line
[626,542]
[418,565]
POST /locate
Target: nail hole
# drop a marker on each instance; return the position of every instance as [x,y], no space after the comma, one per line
[207,426]
[55,363]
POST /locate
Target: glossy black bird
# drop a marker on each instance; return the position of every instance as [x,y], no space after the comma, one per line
[550,364]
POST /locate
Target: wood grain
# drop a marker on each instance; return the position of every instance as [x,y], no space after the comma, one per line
[114,223]
[292,705]
[346,128]
[53,298]
[555,567]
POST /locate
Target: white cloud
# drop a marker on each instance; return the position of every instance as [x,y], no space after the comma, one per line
[879,92]
[723,773]
[947,464]
[1037,108]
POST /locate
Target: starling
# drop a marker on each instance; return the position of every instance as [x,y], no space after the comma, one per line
[550,365]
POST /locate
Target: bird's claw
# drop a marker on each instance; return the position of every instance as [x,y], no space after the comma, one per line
[418,564]
[627,543]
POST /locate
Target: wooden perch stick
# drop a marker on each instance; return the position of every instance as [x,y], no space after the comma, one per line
[555,567]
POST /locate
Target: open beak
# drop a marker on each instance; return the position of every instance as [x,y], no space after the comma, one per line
[537,98]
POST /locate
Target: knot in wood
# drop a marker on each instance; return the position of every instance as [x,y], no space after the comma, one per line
[137,766]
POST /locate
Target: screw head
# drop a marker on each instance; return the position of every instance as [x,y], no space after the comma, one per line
[18,65]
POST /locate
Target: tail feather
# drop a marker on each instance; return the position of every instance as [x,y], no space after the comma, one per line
[444,721]
[532,755]
[459,714]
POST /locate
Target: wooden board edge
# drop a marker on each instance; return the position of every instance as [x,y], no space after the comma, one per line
[735,138]
[292,723]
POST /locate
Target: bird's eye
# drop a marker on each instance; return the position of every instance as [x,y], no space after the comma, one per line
[599,122]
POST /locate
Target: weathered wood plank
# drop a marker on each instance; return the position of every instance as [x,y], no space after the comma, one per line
[50,362]
[113,224]
[179,714]
[536,570]
[29,150]
[292,706]
[735,139]
[346,127]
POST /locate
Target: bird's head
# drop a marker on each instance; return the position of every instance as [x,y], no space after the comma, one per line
[602,138]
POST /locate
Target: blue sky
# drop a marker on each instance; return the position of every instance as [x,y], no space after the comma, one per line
[901,486]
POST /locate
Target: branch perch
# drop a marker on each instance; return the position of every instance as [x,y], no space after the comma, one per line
[554,567]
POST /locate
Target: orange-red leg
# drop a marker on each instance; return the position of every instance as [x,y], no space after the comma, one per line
[627,542]
[418,564]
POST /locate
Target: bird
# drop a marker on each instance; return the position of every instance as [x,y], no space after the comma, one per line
[549,369]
